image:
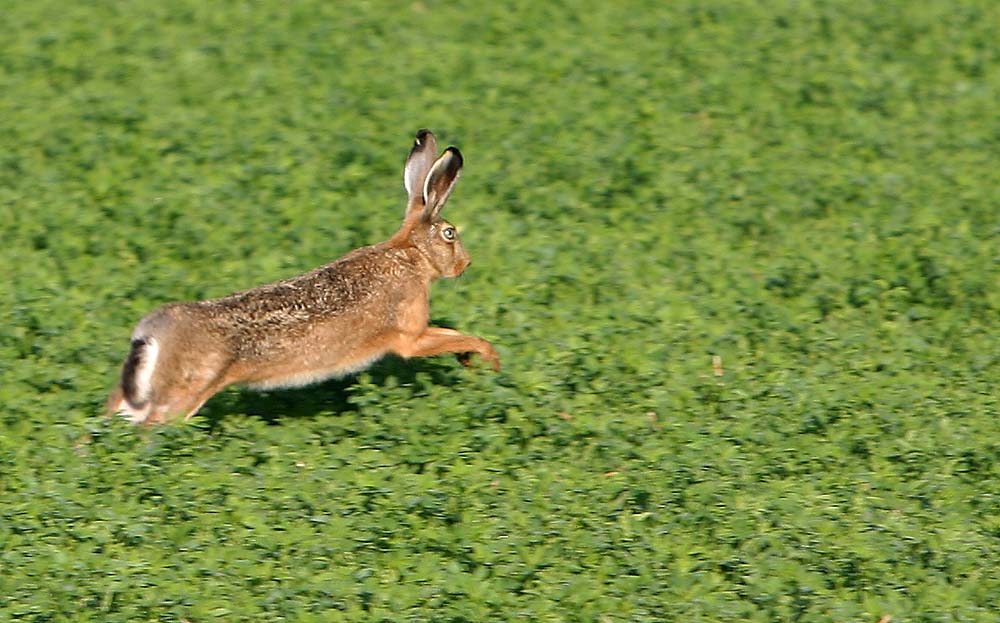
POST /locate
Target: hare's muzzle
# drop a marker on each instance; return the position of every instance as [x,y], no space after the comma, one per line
[462,261]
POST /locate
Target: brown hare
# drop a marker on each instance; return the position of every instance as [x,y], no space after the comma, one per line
[326,323]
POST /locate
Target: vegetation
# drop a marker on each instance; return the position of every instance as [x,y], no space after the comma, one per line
[741,261]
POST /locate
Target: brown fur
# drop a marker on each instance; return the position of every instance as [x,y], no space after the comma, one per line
[331,321]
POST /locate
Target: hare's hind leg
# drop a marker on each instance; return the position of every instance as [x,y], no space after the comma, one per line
[199,401]
[115,403]
[438,340]
[185,384]
[184,396]
[181,401]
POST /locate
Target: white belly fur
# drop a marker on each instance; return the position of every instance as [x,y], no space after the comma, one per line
[314,376]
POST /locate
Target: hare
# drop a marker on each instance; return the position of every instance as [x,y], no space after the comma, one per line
[329,322]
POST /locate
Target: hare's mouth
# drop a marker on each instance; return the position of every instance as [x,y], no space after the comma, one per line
[460,267]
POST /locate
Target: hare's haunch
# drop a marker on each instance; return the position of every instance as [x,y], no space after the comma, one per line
[331,321]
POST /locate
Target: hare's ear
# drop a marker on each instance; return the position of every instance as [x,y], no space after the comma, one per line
[440,180]
[418,164]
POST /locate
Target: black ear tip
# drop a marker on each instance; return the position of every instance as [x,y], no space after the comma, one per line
[421,136]
[457,155]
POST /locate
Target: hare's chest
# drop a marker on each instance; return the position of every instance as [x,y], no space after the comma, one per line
[413,314]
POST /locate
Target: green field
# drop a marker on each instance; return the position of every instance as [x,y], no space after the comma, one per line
[741,261]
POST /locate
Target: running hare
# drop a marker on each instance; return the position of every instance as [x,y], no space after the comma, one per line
[329,322]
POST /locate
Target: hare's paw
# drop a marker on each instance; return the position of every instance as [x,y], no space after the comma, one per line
[491,356]
[485,350]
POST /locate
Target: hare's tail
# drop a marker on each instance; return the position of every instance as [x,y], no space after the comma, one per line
[137,373]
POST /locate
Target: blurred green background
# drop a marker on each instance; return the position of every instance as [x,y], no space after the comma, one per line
[805,191]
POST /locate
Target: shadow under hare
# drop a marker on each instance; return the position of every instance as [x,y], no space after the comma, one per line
[329,322]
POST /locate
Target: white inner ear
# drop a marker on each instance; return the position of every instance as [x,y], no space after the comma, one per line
[432,199]
[411,176]
[407,182]
[427,186]
[418,168]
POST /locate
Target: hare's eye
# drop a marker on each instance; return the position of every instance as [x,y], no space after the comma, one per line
[448,233]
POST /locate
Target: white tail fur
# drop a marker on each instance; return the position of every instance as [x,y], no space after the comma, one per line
[137,379]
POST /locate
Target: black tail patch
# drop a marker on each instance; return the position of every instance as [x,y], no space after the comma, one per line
[135,358]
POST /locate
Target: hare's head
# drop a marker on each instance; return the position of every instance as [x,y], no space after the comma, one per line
[429,180]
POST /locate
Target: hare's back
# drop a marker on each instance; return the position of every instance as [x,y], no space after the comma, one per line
[354,295]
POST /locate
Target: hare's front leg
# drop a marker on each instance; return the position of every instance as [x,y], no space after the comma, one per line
[438,340]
